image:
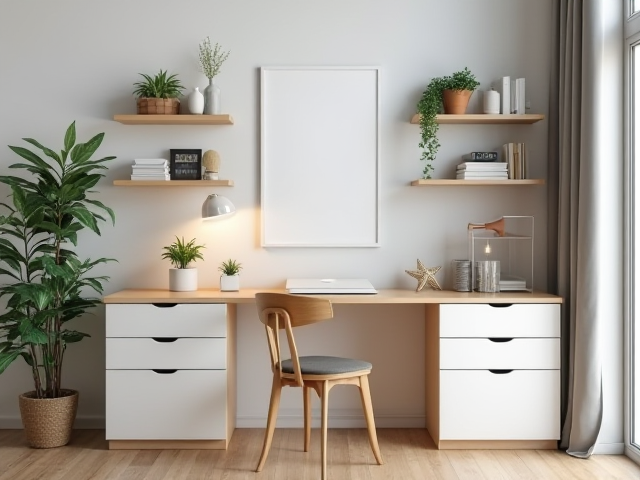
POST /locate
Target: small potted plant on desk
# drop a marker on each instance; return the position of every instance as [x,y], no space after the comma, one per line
[230,278]
[183,278]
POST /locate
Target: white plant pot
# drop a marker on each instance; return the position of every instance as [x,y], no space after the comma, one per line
[183,279]
[229,283]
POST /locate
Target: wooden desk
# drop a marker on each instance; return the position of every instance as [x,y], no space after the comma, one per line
[492,374]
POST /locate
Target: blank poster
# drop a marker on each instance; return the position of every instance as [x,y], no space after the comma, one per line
[320,156]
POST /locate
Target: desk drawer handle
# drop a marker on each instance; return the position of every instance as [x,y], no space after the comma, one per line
[500,372]
[500,305]
[500,339]
[164,339]
[164,305]
[165,371]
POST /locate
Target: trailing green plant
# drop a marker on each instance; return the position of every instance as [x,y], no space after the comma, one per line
[158,86]
[181,254]
[38,234]
[230,267]
[211,59]
[430,104]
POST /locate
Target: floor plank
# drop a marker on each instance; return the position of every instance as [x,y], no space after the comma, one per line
[407,454]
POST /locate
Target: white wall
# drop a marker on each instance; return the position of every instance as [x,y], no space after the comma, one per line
[76,60]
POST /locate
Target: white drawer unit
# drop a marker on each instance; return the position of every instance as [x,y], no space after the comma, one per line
[170,380]
[493,375]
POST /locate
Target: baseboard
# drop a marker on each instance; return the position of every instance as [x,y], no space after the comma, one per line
[608,449]
[335,421]
[82,422]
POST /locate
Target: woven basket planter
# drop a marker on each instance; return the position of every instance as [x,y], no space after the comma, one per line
[158,106]
[48,421]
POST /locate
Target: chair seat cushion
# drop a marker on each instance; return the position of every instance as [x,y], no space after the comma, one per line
[321,365]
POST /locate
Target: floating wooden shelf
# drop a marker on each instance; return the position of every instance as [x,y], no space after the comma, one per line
[173,183]
[470,183]
[474,118]
[222,119]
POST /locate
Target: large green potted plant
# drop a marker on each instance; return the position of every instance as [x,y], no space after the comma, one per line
[449,94]
[183,277]
[158,95]
[44,282]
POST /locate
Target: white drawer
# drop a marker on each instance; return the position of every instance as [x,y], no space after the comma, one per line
[480,405]
[483,353]
[181,320]
[516,320]
[181,353]
[185,405]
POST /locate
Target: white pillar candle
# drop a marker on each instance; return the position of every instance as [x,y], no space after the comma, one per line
[491,102]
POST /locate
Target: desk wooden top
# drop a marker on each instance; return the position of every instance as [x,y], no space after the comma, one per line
[247,295]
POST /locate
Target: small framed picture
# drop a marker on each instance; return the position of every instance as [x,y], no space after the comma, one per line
[186,164]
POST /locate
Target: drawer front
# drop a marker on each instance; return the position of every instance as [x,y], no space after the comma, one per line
[483,353]
[480,405]
[181,320]
[516,320]
[185,405]
[181,353]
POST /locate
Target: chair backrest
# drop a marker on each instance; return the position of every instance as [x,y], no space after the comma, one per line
[284,311]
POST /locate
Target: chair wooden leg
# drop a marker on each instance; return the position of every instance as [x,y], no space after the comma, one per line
[306,393]
[274,403]
[323,434]
[365,395]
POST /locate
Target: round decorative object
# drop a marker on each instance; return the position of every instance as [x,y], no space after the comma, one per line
[158,106]
[196,102]
[48,422]
[461,275]
[491,102]
[212,99]
[211,163]
[456,101]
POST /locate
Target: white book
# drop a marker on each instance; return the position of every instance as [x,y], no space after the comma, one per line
[514,97]
[504,87]
[150,161]
[520,89]
[150,177]
[483,166]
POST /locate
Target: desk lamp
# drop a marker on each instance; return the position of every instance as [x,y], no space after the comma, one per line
[217,206]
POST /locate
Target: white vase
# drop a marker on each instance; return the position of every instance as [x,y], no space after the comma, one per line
[229,283]
[196,102]
[183,279]
[212,99]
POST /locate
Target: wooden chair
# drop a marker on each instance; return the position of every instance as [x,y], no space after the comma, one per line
[283,311]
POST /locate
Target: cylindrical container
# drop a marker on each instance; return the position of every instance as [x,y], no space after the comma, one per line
[212,99]
[196,102]
[461,275]
[491,102]
[488,276]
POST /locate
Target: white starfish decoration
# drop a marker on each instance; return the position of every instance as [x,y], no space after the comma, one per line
[425,276]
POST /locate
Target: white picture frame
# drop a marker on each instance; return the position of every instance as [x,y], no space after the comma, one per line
[320,156]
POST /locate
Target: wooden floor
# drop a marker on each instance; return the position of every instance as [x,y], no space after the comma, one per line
[408,454]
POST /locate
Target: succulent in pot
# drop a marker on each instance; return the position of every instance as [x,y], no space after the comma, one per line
[230,278]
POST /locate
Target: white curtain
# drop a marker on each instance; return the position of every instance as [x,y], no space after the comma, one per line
[585,202]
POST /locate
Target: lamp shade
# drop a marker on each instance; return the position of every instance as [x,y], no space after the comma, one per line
[216,206]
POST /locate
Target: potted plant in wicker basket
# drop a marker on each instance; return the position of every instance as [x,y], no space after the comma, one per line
[181,254]
[44,281]
[158,95]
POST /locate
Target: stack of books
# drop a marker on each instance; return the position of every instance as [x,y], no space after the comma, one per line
[512,283]
[482,171]
[514,155]
[150,169]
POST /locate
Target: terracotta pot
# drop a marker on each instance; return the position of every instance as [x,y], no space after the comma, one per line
[158,106]
[456,101]
[48,422]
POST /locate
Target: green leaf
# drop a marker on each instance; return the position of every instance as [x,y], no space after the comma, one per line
[7,358]
[70,137]
[83,151]
[47,151]
[72,336]
[103,207]
[85,217]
